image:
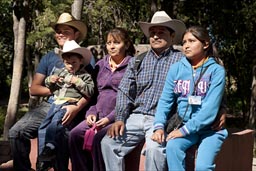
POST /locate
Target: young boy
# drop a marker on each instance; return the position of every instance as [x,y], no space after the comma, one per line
[68,85]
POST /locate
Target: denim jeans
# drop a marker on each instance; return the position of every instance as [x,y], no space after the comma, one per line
[50,126]
[52,131]
[21,133]
[137,127]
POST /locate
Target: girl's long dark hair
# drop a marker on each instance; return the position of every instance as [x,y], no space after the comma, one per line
[203,36]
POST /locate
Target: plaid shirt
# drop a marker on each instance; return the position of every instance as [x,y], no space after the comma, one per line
[139,91]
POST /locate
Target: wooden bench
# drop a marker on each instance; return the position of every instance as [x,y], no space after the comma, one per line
[5,151]
[237,151]
[236,154]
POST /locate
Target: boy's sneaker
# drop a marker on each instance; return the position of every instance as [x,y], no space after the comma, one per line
[47,154]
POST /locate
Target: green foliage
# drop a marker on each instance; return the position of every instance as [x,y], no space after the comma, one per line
[238,52]
[21,112]
[6,46]
[102,15]
[2,118]
[42,34]
[232,24]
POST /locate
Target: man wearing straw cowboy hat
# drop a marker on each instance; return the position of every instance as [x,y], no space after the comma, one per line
[138,95]
[66,28]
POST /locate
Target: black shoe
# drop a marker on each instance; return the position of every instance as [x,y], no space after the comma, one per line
[47,154]
[43,166]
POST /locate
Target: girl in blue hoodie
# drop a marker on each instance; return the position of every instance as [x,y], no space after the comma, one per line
[196,84]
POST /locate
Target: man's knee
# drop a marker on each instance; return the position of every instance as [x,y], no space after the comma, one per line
[154,147]
[14,132]
[106,143]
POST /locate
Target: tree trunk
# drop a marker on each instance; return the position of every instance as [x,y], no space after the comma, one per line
[19,29]
[77,8]
[252,123]
[153,6]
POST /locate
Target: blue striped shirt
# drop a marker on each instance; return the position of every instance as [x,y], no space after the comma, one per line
[139,91]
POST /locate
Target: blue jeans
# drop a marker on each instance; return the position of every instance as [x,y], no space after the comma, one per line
[51,126]
[52,131]
[21,133]
[137,127]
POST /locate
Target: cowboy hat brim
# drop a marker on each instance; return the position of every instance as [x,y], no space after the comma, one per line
[84,52]
[79,25]
[176,25]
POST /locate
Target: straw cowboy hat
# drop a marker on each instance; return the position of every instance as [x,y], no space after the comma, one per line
[72,47]
[68,19]
[160,18]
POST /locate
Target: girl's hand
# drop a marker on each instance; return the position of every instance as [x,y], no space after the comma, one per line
[174,134]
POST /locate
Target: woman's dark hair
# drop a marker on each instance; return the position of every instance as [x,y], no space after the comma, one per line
[203,36]
[121,33]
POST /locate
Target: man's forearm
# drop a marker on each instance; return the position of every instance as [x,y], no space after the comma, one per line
[38,90]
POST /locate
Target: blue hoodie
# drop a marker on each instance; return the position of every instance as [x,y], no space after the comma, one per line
[179,85]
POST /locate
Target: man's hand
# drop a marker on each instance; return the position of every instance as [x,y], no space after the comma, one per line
[72,110]
[70,114]
[158,136]
[116,129]
[219,122]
